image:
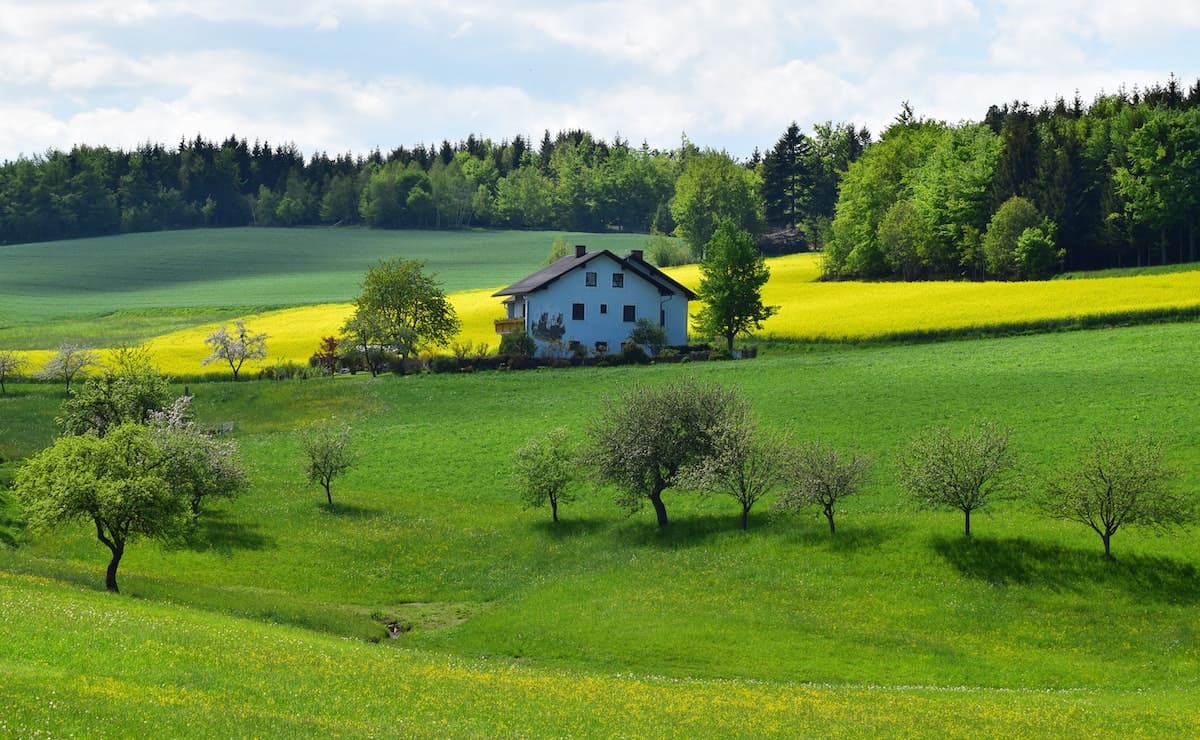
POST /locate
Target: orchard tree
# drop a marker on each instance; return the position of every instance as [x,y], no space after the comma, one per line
[197,466]
[70,362]
[543,469]
[236,347]
[129,390]
[10,364]
[327,450]
[821,475]
[1118,482]
[645,438]
[746,462]
[732,276]
[403,309]
[114,482]
[958,470]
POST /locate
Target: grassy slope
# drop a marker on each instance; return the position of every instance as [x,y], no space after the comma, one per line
[426,529]
[80,663]
[154,282]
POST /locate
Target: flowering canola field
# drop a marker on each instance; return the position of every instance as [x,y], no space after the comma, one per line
[809,310]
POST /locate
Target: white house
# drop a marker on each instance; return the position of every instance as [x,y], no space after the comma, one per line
[594,299]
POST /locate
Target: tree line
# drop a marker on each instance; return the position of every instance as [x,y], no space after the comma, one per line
[1026,193]
[573,181]
[1109,184]
[692,437]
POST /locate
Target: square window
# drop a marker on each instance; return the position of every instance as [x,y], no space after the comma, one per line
[618,280]
[589,279]
[603,308]
[577,312]
[630,314]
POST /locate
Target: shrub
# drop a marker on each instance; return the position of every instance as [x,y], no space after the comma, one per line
[518,344]
[632,353]
[444,364]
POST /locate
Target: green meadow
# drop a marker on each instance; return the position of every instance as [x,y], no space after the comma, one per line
[269,618]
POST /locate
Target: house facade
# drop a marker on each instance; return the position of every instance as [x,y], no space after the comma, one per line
[594,299]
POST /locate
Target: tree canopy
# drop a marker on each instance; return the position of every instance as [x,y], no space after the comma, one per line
[402,309]
[644,438]
[114,482]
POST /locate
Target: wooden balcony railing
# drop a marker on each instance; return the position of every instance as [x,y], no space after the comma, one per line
[508,326]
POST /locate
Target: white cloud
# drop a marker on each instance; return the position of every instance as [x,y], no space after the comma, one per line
[730,75]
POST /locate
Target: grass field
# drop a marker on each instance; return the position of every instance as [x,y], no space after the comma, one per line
[268,619]
[895,626]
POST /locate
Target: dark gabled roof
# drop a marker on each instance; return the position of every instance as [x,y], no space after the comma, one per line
[564,265]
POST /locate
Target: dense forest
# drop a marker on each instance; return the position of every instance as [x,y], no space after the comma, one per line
[1023,194]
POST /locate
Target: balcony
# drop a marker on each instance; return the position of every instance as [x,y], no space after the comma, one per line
[508,326]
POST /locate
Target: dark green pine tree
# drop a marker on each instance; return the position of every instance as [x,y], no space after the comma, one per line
[786,180]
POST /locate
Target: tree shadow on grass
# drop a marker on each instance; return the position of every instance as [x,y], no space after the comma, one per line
[848,537]
[569,527]
[215,531]
[1020,561]
[689,531]
[350,511]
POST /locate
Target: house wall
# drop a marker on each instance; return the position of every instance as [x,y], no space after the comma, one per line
[549,310]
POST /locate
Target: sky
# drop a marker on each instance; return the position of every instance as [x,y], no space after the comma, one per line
[352,75]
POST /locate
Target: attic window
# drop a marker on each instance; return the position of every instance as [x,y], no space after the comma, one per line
[589,279]
[618,280]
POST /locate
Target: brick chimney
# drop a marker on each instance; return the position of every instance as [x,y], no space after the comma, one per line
[636,255]
[580,250]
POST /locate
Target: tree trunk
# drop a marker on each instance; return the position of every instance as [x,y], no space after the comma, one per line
[110,576]
[1107,545]
[328,494]
[660,510]
[745,517]
[729,343]
[829,516]
[967,521]
[554,509]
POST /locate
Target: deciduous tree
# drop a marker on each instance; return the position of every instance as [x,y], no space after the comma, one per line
[403,309]
[70,362]
[1119,482]
[115,482]
[746,463]
[821,475]
[959,470]
[732,275]
[236,347]
[10,364]
[327,451]
[713,187]
[129,389]
[544,469]
[196,465]
[647,436]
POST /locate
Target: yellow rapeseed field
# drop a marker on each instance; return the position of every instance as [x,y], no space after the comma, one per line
[809,310]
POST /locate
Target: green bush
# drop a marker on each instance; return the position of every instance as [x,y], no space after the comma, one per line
[517,344]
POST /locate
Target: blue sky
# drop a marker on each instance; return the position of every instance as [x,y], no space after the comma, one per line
[357,74]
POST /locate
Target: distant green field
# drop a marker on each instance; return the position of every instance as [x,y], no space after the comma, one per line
[1025,626]
[134,286]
